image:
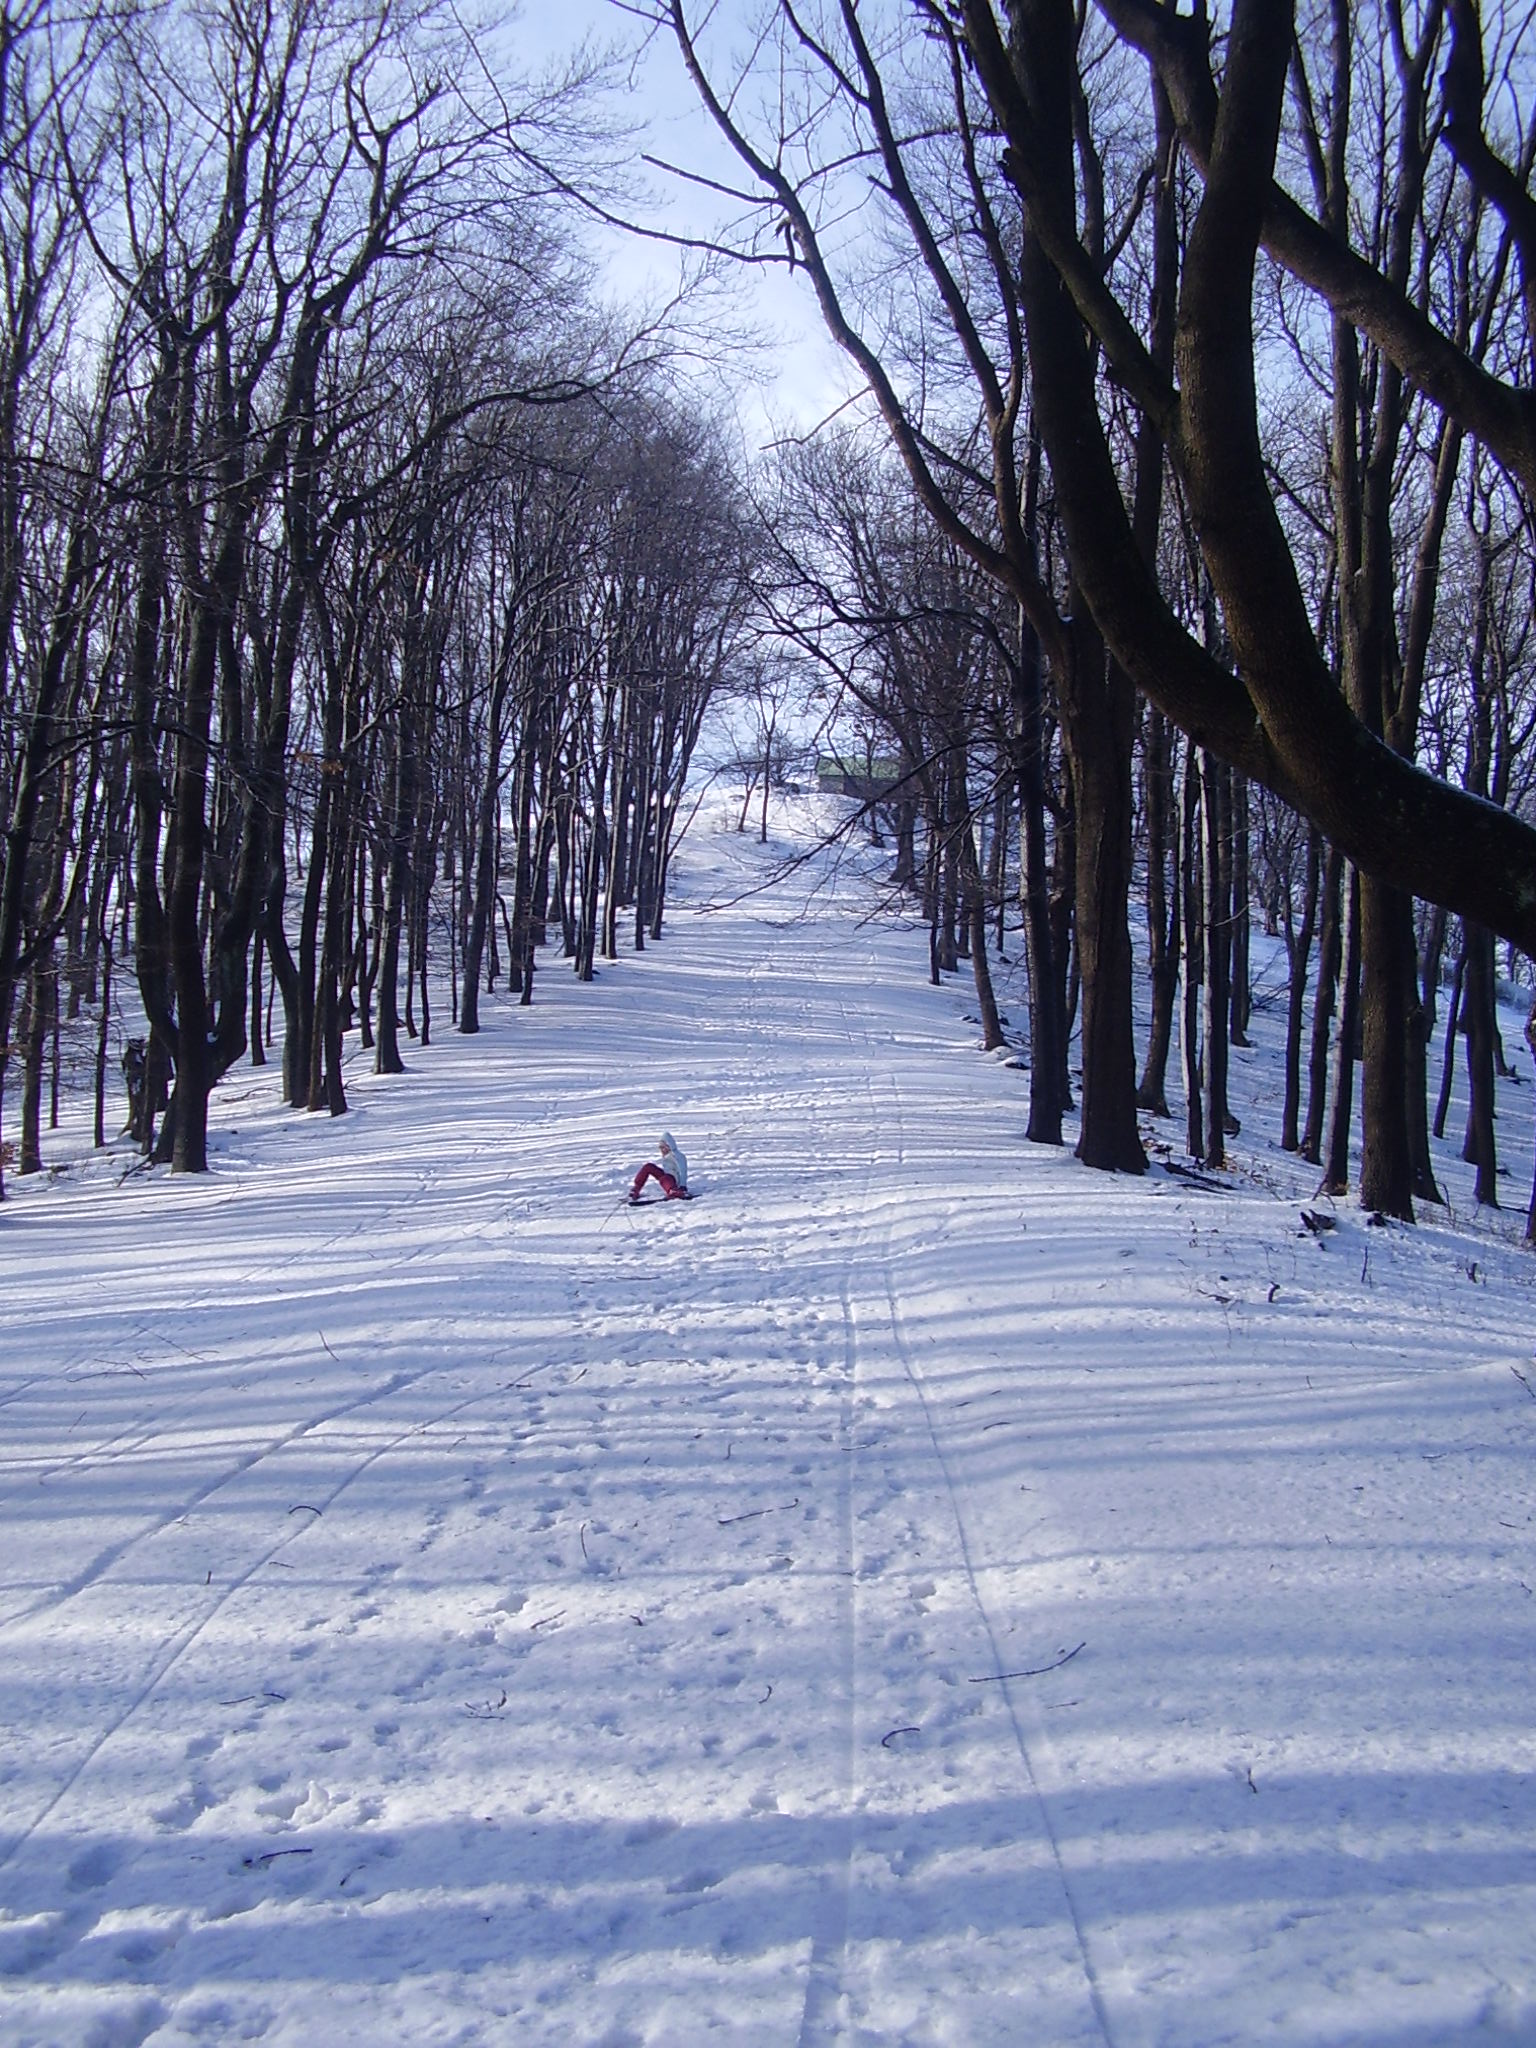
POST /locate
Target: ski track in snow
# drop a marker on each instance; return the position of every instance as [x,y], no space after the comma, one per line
[919,1592]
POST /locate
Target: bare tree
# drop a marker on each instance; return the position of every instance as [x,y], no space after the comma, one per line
[907,110]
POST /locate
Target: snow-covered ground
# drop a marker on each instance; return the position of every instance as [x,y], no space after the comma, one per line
[922,1591]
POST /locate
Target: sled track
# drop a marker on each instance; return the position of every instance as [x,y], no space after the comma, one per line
[147,1428]
[954,1497]
[827,1968]
[174,1647]
[144,1343]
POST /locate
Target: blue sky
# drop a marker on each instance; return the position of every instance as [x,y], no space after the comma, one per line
[795,376]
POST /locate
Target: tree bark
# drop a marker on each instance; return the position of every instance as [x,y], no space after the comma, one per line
[1480,1147]
[1388,971]
[1046,1021]
[1099,709]
[1214,781]
[1345,1045]
[1162,909]
[1191,889]
[1299,953]
[1329,960]
[1239,917]
[976,914]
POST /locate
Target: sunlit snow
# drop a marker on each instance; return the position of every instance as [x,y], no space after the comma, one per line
[922,1591]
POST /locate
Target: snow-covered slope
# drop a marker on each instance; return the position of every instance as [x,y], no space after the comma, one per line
[920,1592]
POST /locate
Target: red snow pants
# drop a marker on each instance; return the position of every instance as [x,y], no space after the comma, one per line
[672,1188]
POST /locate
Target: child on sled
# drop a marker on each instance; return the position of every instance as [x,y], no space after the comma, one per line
[669,1169]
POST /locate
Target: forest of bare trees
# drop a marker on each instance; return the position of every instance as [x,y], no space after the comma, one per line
[363,583]
[1203,341]
[366,583]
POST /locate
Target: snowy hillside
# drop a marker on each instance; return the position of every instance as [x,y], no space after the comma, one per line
[919,1592]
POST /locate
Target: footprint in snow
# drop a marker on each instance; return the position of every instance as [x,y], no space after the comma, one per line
[94,1867]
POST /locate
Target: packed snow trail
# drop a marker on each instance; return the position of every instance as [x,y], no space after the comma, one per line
[919,1592]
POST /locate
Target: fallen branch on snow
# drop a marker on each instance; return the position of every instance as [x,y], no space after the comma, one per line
[1037,1671]
[725,1521]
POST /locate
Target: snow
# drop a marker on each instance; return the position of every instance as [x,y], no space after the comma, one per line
[921,1591]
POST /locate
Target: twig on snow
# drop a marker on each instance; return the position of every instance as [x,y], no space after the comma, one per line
[487,1710]
[783,1507]
[1036,1671]
[887,1740]
[1520,1376]
[256,1862]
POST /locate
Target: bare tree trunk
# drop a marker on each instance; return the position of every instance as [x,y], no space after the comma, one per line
[768,738]
[618,822]
[1336,1168]
[1480,1148]
[30,770]
[326,1088]
[1329,959]
[34,1040]
[997,867]
[1420,1023]
[1298,946]
[952,809]
[1239,922]
[973,894]
[1100,709]
[483,882]
[1214,781]
[1063,947]
[258,1041]
[399,828]
[1193,892]
[1452,1026]
[103,1039]
[1387,975]
[1162,909]
[976,911]
[520,965]
[931,892]
[1047,1056]
[644,797]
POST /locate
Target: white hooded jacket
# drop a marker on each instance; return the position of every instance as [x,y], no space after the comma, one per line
[670,1160]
